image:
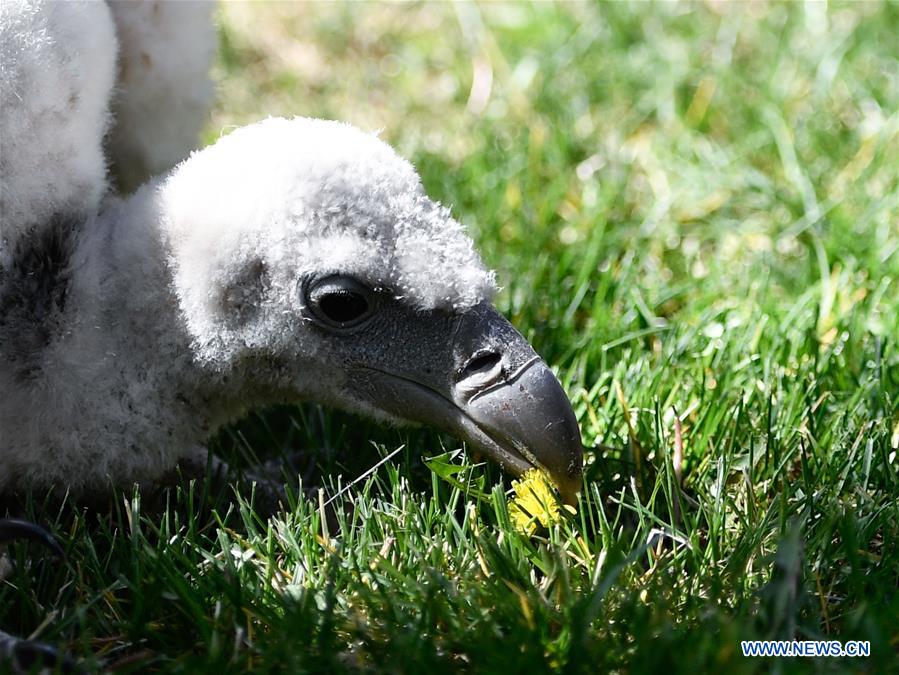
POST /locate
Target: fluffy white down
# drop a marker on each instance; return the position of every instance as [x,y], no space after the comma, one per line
[163,90]
[301,196]
[58,66]
[63,63]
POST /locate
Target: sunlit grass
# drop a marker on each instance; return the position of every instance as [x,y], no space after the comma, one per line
[693,210]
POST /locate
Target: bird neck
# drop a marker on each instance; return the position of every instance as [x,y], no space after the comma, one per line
[136,334]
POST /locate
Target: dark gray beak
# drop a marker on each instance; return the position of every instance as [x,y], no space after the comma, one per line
[485,385]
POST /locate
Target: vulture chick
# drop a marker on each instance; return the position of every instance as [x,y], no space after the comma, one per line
[294,259]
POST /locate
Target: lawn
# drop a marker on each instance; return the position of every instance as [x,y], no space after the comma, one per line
[693,211]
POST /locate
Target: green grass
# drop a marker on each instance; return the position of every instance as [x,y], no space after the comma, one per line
[694,212]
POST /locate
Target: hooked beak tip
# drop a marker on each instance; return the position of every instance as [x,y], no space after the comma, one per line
[530,418]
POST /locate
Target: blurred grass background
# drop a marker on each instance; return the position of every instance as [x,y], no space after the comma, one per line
[693,210]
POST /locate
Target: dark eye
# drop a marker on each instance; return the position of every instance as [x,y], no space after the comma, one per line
[343,307]
[340,302]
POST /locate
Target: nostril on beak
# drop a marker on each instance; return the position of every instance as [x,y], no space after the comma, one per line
[483,369]
[482,363]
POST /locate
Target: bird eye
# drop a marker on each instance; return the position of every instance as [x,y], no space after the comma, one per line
[340,302]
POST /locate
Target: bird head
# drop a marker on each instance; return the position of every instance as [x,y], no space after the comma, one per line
[309,264]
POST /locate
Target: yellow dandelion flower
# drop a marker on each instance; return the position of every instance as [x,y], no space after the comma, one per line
[536,503]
